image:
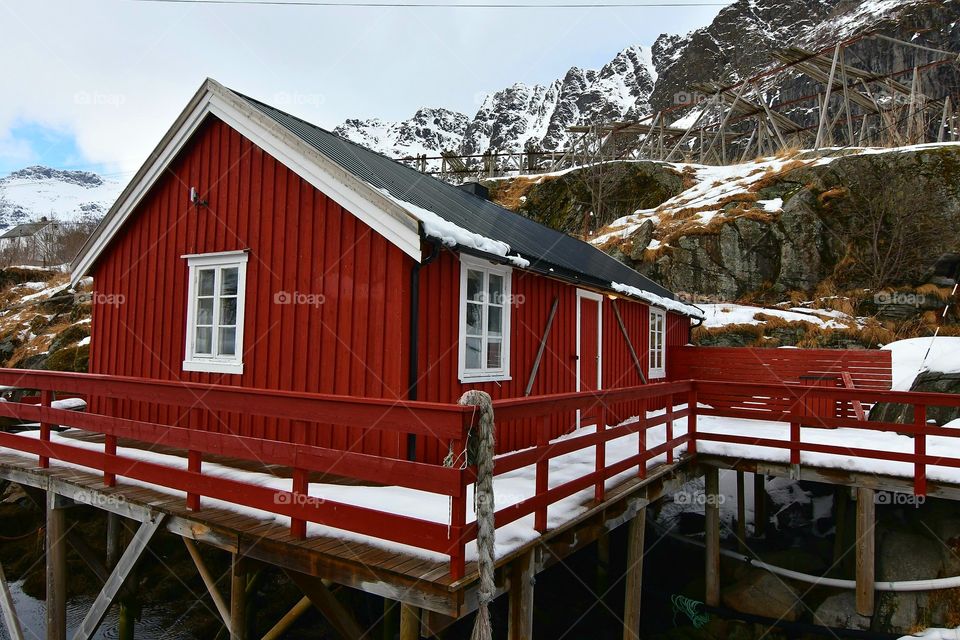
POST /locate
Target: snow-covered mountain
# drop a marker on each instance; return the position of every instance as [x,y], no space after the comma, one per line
[519,115]
[427,132]
[34,192]
[738,43]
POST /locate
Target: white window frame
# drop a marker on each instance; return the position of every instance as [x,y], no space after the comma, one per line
[485,374]
[657,317]
[213,363]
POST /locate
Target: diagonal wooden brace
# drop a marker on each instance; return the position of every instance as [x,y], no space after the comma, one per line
[125,565]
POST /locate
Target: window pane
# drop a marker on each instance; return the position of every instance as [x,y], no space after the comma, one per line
[228,311]
[474,285]
[205,282]
[228,341]
[496,289]
[493,354]
[473,353]
[474,319]
[495,321]
[205,311]
[228,285]
[204,340]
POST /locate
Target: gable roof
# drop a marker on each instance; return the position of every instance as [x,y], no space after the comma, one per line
[398,201]
[26,229]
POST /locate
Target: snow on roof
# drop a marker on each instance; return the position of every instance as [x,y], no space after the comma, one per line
[452,235]
[659,301]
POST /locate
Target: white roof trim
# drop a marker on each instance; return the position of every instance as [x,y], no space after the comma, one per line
[382,214]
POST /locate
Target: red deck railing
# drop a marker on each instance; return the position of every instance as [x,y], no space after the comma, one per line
[669,402]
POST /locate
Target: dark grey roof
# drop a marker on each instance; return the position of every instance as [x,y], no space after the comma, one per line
[547,249]
[26,230]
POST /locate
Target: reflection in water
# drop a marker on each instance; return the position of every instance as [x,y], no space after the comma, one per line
[156,623]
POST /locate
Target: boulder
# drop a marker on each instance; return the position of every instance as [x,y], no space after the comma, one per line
[764,594]
[840,611]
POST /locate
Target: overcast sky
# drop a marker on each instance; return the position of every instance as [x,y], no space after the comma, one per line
[95,83]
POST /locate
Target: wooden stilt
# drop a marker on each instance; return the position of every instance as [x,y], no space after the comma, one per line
[741,512]
[209,582]
[56,568]
[520,626]
[841,501]
[866,541]
[409,622]
[603,564]
[759,505]
[391,619]
[712,509]
[238,598]
[634,581]
[326,602]
[288,619]
[10,619]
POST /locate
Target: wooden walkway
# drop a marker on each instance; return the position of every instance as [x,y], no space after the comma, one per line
[400,576]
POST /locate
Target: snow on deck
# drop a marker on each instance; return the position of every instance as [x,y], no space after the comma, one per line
[513,487]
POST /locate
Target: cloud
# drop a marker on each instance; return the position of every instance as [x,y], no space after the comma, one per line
[116,74]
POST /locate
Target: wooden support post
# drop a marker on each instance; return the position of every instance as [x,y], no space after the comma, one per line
[111,589]
[238,598]
[634,580]
[841,502]
[390,622]
[326,602]
[284,623]
[409,622]
[209,582]
[741,512]
[759,505]
[603,564]
[520,625]
[56,568]
[712,512]
[825,105]
[866,543]
[12,622]
[114,526]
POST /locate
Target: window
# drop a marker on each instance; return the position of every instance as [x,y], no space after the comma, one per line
[658,322]
[484,321]
[215,312]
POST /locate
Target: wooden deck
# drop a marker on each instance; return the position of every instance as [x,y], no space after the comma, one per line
[399,576]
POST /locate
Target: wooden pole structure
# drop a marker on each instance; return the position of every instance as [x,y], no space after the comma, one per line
[520,624]
[238,598]
[288,619]
[409,622]
[634,581]
[10,619]
[712,512]
[56,568]
[846,97]
[866,558]
[826,99]
[759,505]
[741,512]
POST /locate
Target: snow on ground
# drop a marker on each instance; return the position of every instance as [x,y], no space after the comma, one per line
[723,314]
[916,355]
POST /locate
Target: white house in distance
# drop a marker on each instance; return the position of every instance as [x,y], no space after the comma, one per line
[31,242]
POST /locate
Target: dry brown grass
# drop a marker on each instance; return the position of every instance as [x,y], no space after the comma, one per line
[512,193]
[831,194]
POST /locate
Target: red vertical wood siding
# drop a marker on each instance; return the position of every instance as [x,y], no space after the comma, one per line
[299,241]
[354,343]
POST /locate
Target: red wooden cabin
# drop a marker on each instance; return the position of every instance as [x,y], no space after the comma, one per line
[254,249]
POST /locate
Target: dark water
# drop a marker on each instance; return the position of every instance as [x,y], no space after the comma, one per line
[156,622]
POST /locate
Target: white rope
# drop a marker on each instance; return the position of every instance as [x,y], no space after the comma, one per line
[484,508]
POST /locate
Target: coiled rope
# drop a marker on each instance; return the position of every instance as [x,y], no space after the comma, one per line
[689,608]
[480,452]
